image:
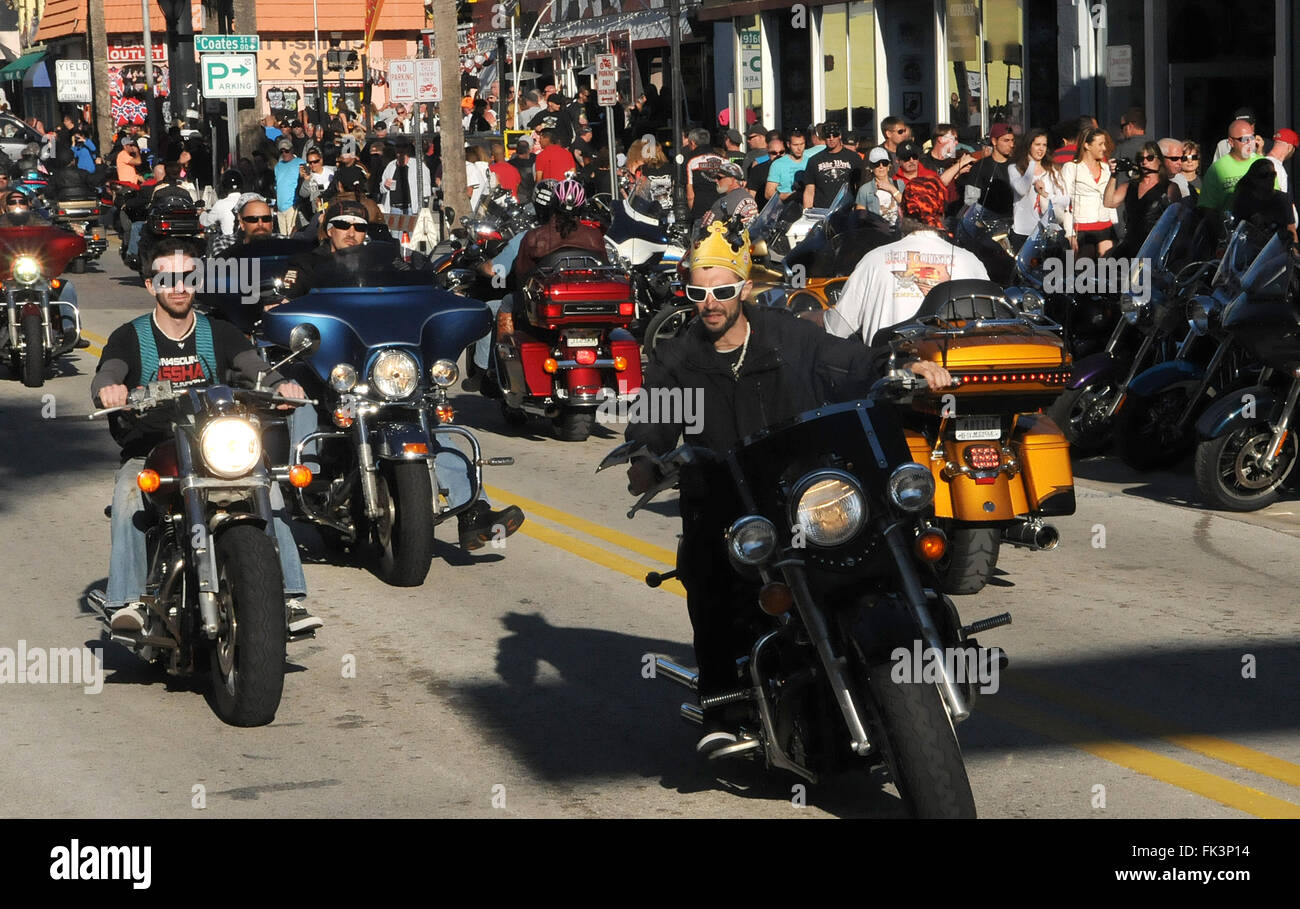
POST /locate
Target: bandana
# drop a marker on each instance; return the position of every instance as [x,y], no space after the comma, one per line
[924,199]
[716,250]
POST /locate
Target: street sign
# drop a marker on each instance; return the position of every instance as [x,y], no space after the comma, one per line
[229,75]
[73,81]
[428,80]
[227,44]
[606,80]
[401,81]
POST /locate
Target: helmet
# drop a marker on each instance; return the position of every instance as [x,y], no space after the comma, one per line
[232,181]
[569,196]
[544,197]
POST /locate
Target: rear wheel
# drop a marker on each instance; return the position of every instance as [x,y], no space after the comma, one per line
[514,417]
[247,664]
[1146,432]
[574,425]
[972,556]
[921,747]
[34,352]
[403,534]
[668,322]
[1229,474]
[1080,414]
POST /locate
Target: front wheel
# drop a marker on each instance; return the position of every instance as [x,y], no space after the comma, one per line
[921,746]
[403,534]
[247,665]
[1229,473]
[77,266]
[1147,436]
[972,556]
[1081,415]
[668,322]
[34,352]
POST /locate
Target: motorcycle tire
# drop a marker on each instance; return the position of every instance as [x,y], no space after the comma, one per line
[77,266]
[1145,438]
[247,660]
[972,556]
[1070,413]
[34,352]
[668,322]
[574,425]
[405,538]
[1226,475]
[922,752]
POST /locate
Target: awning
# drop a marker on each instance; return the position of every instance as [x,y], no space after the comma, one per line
[19,68]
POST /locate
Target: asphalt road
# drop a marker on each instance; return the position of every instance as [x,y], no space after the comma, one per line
[1152,676]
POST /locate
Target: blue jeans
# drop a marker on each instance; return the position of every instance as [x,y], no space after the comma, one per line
[128,565]
[133,242]
[483,346]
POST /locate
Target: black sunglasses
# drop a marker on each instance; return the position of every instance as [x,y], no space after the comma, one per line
[254,219]
[908,157]
[339,224]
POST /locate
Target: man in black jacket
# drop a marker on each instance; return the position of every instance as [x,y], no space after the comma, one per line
[746,367]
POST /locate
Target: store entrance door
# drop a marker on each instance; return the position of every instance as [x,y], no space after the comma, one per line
[1203,97]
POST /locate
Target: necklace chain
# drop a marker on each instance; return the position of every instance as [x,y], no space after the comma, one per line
[744,349]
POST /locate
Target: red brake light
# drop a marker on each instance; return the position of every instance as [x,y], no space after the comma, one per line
[552,310]
[983,457]
[627,309]
[586,356]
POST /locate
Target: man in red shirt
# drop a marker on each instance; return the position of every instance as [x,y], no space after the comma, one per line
[554,162]
[909,164]
[507,176]
[1066,152]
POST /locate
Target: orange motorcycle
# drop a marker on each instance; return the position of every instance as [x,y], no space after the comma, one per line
[1000,465]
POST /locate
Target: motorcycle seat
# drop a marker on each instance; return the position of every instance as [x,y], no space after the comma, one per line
[966,299]
[572,257]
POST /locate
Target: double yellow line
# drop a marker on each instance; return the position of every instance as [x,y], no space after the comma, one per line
[96,348]
[1084,736]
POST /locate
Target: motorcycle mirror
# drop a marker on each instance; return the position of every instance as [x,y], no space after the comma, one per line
[623,454]
[759,249]
[305,338]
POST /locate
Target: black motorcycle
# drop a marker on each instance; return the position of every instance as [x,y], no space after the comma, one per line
[831,538]
[215,592]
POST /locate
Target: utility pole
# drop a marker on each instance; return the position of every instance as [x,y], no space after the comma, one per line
[249,127]
[99,78]
[447,50]
[674,74]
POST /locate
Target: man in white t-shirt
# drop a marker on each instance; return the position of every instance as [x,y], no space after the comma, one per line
[890,282]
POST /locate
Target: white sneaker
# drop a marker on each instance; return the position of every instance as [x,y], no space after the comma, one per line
[300,620]
[129,619]
[713,741]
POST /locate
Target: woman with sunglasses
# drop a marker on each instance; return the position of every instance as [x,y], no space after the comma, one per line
[1191,167]
[1089,223]
[1144,198]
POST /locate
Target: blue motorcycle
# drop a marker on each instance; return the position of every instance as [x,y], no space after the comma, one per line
[389,343]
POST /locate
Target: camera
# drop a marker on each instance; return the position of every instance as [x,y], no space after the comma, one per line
[1127,166]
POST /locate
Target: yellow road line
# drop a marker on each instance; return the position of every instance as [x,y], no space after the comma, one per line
[91,336]
[1166,770]
[593,553]
[600,532]
[97,349]
[1210,746]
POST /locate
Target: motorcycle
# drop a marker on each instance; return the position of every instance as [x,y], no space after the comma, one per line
[1000,466]
[1166,274]
[1246,449]
[1156,425]
[214,593]
[1087,319]
[173,216]
[81,216]
[988,236]
[387,357]
[650,251]
[565,350]
[832,538]
[38,326]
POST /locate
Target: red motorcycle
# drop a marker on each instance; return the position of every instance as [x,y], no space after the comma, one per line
[565,350]
[39,325]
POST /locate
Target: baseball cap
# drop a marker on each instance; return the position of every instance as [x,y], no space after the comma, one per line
[734,136]
[284,145]
[347,210]
[999,130]
[908,149]
[1244,113]
[877,154]
[558,99]
[828,129]
[381,125]
[757,131]
[127,140]
[1288,136]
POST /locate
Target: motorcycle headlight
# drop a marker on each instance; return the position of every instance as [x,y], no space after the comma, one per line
[343,378]
[911,487]
[829,508]
[444,373]
[395,374]
[1199,315]
[1032,302]
[1131,316]
[752,540]
[231,446]
[27,270]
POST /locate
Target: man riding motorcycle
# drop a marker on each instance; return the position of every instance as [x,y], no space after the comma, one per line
[68,181]
[346,223]
[752,366]
[18,211]
[175,344]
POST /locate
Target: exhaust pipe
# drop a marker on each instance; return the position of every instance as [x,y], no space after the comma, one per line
[679,674]
[1032,535]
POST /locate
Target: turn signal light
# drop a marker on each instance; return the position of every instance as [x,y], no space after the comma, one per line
[56,283]
[444,413]
[620,364]
[415,448]
[148,480]
[550,365]
[300,476]
[931,546]
[775,598]
[342,419]
[586,356]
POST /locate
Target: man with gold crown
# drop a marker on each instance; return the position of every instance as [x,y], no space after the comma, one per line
[747,367]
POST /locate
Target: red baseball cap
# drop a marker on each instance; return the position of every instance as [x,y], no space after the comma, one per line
[999,130]
[1288,136]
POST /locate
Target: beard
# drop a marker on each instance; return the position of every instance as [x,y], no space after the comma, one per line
[713,335]
[175,310]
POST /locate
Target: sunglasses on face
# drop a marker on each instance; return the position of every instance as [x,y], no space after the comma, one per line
[1173,157]
[313,160]
[908,157]
[174,278]
[1191,157]
[255,219]
[722,292]
[1147,157]
[348,225]
[1242,138]
[882,163]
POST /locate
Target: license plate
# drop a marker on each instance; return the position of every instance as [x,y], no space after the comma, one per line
[582,342]
[80,229]
[970,429]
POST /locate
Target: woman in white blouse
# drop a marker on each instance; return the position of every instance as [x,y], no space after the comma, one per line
[1040,196]
[1089,223]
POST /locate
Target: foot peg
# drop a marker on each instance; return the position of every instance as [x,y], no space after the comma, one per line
[692,714]
[995,621]
[655,578]
[744,746]
[675,673]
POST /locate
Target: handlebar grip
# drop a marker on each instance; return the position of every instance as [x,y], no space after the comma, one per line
[499,462]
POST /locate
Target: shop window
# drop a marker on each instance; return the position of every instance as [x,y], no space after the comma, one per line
[965,87]
[752,65]
[1004,63]
[862,77]
[848,36]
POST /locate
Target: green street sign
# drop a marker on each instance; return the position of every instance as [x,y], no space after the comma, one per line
[227,44]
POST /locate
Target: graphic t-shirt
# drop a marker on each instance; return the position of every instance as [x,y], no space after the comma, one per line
[890,282]
[829,171]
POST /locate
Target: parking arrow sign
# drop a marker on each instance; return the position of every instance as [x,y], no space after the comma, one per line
[229,75]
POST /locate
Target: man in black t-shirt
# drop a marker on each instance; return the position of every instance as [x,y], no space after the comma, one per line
[701,163]
[187,349]
[827,171]
[988,183]
[757,181]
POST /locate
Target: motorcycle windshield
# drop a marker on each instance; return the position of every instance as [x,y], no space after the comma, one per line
[52,247]
[241,277]
[767,221]
[1029,261]
[1243,247]
[1269,275]
[355,320]
[1153,258]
